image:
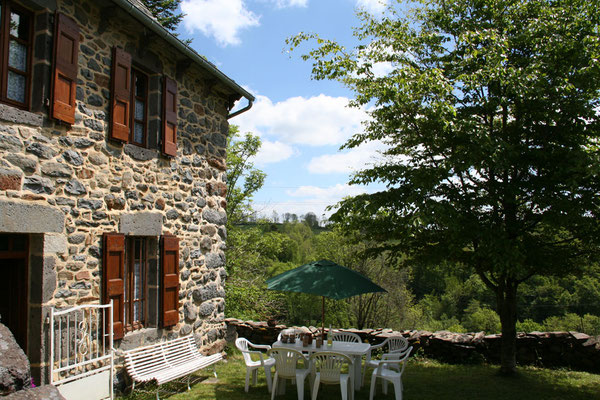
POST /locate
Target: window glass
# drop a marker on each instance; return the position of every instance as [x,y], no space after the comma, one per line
[139,110]
[135,285]
[140,85]
[16,87]
[17,56]
[138,133]
[19,25]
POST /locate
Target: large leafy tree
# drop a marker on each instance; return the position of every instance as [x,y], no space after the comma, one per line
[243,178]
[489,114]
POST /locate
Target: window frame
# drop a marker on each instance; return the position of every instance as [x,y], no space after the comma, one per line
[5,38]
[135,72]
[129,301]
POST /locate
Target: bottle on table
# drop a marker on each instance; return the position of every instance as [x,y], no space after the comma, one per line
[329,337]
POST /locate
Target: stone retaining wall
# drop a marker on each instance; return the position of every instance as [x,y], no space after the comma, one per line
[573,350]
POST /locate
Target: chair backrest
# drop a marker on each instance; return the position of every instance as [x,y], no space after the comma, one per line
[396,344]
[242,345]
[398,355]
[329,364]
[346,337]
[286,361]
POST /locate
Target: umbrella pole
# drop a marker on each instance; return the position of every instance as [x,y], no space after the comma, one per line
[323,317]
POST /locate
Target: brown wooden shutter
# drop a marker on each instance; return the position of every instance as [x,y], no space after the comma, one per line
[66,50]
[121,95]
[169,131]
[169,280]
[113,278]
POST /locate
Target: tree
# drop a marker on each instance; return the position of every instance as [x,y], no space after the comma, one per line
[311,219]
[489,114]
[165,11]
[243,179]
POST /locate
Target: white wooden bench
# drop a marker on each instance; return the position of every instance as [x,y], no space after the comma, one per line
[166,361]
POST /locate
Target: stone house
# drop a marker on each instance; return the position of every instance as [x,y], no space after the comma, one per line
[112,173]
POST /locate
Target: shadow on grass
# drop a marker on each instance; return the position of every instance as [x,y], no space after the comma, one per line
[423,380]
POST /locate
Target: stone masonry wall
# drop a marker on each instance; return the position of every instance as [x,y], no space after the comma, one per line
[572,350]
[102,186]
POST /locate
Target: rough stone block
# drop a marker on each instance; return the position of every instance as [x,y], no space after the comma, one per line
[45,392]
[141,224]
[55,243]
[11,114]
[15,373]
[30,218]
[10,179]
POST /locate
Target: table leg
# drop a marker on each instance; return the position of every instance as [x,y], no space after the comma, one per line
[357,372]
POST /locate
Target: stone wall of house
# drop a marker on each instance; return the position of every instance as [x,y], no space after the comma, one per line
[572,350]
[76,184]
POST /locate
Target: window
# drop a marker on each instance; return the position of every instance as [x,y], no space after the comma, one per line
[16,29]
[131,92]
[141,281]
[139,98]
[135,284]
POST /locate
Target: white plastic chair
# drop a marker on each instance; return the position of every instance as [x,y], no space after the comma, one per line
[327,366]
[252,366]
[392,344]
[396,360]
[345,337]
[286,367]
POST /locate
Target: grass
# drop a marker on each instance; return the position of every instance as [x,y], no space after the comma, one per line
[423,380]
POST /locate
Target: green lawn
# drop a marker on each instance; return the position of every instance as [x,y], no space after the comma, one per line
[423,380]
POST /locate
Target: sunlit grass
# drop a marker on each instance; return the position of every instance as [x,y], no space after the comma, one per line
[423,380]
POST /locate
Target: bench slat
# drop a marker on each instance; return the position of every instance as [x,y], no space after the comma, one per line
[166,361]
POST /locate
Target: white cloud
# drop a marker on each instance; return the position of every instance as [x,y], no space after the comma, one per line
[272,152]
[309,199]
[315,121]
[221,19]
[347,161]
[372,6]
[290,3]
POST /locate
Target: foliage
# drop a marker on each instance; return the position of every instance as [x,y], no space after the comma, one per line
[242,177]
[165,11]
[489,114]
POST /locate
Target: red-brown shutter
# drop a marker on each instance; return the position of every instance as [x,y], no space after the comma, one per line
[113,278]
[169,132]
[66,49]
[121,95]
[169,280]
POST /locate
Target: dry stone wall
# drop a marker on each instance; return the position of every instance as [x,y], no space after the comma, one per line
[548,349]
[81,184]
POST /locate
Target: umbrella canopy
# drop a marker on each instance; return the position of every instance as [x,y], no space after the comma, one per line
[323,278]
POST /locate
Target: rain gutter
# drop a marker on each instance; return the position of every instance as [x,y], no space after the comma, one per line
[157,28]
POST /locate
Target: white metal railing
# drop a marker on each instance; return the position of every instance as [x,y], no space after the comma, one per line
[81,346]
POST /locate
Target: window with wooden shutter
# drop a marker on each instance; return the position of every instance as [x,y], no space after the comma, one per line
[169,132]
[113,278]
[16,39]
[66,48]
[121,95]
[169,280]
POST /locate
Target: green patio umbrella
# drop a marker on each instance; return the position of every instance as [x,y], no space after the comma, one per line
[323,278]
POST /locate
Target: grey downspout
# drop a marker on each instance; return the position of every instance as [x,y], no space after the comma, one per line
[241,110]
[157,28]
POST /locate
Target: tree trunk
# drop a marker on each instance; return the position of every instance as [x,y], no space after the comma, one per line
[506,296]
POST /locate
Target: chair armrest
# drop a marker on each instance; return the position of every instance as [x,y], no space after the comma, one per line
[260,346]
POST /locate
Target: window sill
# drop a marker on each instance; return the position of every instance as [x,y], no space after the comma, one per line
[18,116]
[140,153]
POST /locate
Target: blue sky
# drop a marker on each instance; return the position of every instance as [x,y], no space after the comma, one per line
[301,122]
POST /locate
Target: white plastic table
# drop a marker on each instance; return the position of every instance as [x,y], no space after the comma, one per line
[353,350]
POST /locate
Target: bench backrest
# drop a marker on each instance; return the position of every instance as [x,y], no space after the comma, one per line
[158,356]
